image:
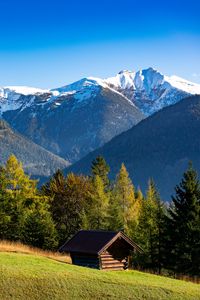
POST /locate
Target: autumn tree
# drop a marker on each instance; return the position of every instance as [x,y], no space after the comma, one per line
[123,206]
[68,203]
[98,202]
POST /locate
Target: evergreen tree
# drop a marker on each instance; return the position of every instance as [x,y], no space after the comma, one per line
[98,205]
[19,201]
[136,213]
[100,167]
[150,228]
[4,206]
[55,190]
[39,229]
[183,224]
[122,202]
[68,201]
[18,189]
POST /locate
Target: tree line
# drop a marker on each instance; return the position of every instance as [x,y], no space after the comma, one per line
[168,234]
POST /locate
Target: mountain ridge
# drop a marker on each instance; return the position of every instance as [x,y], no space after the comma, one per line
[132,85]
[159,147]
[37,161]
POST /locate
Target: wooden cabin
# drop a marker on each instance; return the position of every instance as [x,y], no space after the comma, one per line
[105,250]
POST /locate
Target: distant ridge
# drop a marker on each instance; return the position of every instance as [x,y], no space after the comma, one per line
[75,119]
[36,160]
[159,147]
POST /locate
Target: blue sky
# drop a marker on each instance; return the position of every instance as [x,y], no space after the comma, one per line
[52,43]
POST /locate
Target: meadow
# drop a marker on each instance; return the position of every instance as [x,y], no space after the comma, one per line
[26,273]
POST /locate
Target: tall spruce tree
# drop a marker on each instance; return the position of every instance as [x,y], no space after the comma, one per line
[4,206]
[150,229]
[19,190]
[101,168]
[122,204]
[183,224]
[19,199]
[38,228]
[97,211]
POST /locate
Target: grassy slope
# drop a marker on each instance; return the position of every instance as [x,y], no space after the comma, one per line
[31,277]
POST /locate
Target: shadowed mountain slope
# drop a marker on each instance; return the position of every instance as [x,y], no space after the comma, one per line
[159,147]
[36,160]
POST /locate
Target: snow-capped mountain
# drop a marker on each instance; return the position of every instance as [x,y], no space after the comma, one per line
[72,120]
[77,118]
[150,90]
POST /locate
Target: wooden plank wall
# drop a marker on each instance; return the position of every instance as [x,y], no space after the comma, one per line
[108,262]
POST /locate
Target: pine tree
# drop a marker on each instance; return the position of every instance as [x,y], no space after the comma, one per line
[18,183]
[4,206]
[150,228]
[122,201]
[100,167]
[24,213]
[137,212]
[98,205]
[39,229]
[183,225]
[19,189]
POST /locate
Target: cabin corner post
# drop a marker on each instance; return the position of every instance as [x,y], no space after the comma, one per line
[100,262]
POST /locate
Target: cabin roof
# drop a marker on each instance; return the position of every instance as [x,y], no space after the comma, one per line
[95,242]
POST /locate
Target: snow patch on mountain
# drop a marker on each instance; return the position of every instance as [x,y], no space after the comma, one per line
[150,79]
[182,84]
[24,90]
[148,90]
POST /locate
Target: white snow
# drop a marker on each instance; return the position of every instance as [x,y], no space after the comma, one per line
[149,89]
[184,85]
[124,79]
[151,79]
[24,90]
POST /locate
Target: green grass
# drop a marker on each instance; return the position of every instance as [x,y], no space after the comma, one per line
[27,276]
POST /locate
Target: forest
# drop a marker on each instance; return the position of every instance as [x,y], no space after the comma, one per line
[46,217]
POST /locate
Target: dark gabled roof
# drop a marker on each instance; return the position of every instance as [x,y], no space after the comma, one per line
[94,242]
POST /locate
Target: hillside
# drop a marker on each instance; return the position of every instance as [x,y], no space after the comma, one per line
[36,160]
[158,147]
[37,278]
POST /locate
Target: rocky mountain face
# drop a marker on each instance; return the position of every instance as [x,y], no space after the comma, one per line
[159,147]
[37,161]
[73,120]
[150,90]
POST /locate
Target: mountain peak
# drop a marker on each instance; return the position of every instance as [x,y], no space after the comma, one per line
[125,72]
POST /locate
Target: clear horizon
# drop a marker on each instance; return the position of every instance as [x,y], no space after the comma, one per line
[51,44]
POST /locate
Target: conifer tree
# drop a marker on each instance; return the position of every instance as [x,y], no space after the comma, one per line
[98,205]
[39,228]
[100,167]
[4,206]
[183,224]
[19,189]
[136,213]
[19,200]
[55,190]
[150,228]
[68,202]
[122,201]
